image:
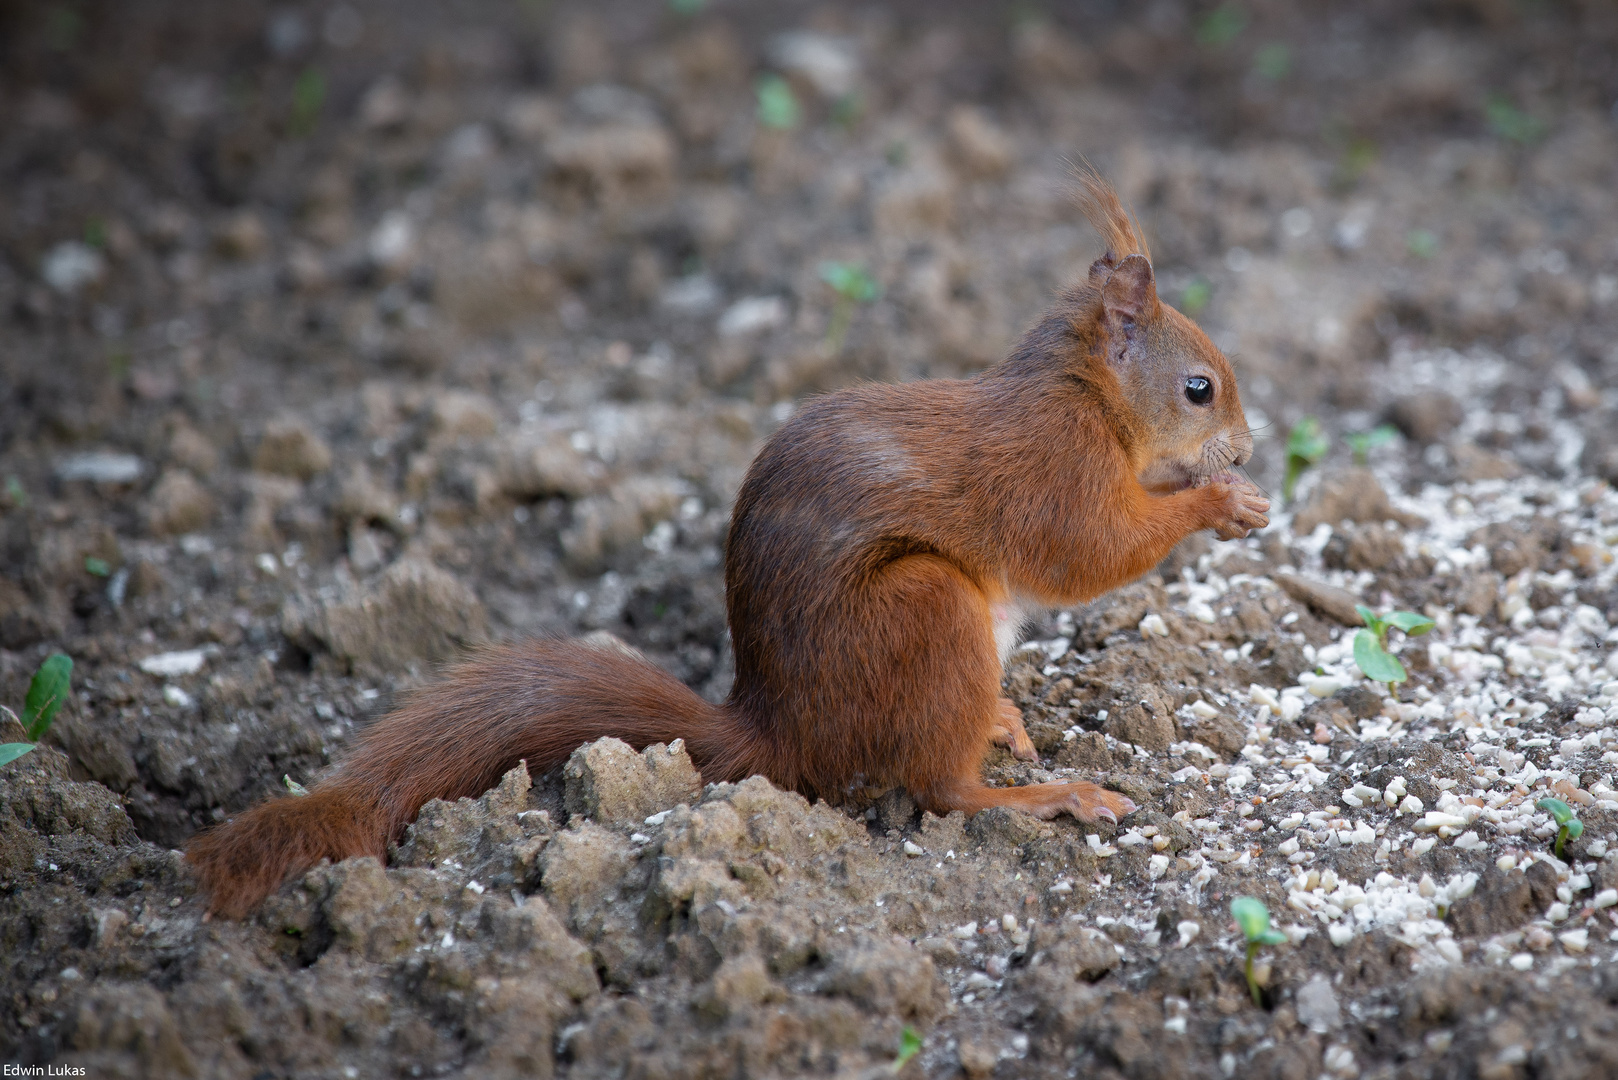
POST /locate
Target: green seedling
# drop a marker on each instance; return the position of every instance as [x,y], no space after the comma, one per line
[1306,445]
[1253,920]
[853,286]
[1569,827]
[846,110]
[16,494]
[1363,442]
[293,786]
[777,105]
[1422,243]
[1512,123]
[687,7]
[1196,296]
[98,567]
[1359,155]
[64,27]
[308,97]
[909,1047]
[47,691]
[1273,62]
[1371,644]
[1222,25]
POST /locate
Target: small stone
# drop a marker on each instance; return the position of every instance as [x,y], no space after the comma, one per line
[978,146]
[612,785]
[242,236]
[101,468]
[888,976]
[1362,701]
[976,1058]
[414,612]
[1426,417]
[1317,1005]
[190,449]
[1088,751]
[291,448]
[1355,495]
[1328,600]
[178,504]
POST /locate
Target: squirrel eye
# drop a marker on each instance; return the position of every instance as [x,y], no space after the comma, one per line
[1198,391]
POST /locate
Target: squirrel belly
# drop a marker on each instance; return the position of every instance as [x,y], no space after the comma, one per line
[882,551]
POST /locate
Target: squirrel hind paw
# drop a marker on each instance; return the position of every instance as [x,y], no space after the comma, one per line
[1091,803]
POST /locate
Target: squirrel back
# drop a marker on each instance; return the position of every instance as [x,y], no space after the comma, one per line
[884,548]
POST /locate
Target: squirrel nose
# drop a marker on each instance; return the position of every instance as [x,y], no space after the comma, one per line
[1242,444]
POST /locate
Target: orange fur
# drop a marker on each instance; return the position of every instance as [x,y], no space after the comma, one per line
[871,543]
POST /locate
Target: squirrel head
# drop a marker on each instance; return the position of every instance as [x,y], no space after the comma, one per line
[1184,418]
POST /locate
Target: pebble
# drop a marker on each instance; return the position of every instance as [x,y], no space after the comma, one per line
[173,664]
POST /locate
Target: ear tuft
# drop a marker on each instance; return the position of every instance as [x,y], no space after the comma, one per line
[1130,293]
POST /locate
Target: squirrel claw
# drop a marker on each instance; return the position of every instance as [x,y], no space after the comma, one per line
[1011,734]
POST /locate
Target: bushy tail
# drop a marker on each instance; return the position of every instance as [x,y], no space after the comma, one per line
[538,701]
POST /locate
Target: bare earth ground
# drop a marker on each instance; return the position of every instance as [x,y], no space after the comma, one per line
[336,339]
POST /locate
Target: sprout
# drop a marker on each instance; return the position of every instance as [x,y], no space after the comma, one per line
[1196,296]
[1306,445]
[1371,644]
[293,786]
[308,98]
[1422,243]
[853,285]
[777,105]
[1511,123]
[1363,442]
[47,692]
[1253,919]
[1272,62]
[1222,25]
[1569,826]
[98,567]
[909,1047]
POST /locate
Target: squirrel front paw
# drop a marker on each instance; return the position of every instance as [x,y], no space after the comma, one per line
[1238,506]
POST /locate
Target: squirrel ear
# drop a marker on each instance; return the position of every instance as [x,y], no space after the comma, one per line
[1130,293]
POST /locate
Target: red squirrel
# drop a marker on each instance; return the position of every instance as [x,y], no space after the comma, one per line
[883,551]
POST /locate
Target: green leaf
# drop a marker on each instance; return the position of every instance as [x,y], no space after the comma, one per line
[1556,808]
[1307,441]
[1222,25]
[1574,828]
[46,693]
[308,97]
[1422,243]
[1363,442]
[1410,622]
[1273,937]
[1272,62]
[1375,661]
[1252,917]
[1368,615]
[777,105]
[850,281]
[909,1047]
[1510,122]
[1196,296]
[98,567]
[1306,444]
[11,751]
[294,787]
